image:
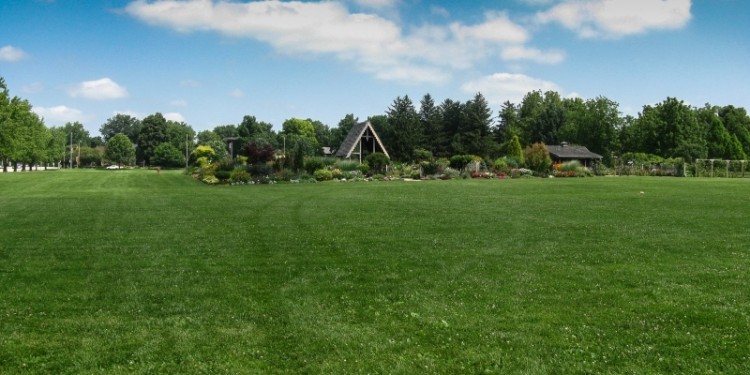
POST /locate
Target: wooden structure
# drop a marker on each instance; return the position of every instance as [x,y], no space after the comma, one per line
[565,152]
[361,141]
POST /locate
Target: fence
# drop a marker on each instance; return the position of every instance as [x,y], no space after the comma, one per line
[720,168]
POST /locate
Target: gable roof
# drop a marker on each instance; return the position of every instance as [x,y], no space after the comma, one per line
[352,140]
[565,151]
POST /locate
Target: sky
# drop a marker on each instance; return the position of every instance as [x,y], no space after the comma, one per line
[211,62]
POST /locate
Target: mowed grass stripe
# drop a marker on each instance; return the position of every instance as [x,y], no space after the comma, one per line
[134,272]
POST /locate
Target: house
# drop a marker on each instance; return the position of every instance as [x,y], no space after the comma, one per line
[361,141]
[565,152]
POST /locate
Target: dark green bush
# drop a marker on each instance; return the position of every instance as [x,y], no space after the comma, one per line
[313,164]
[259,170]
[223,175]
[377,162]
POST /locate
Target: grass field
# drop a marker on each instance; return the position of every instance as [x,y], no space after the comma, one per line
[130,272]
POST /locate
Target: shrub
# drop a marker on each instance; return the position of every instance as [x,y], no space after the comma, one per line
[573,165]
[258,152]
[430,167]
[450,173]
[222,175]
[537,158]
[323,175]
[364,168]
[337,174]
[377,161]
[166,155]
[347,165]
[258,170]
[225,164]
[239,175]
[313,164]
[422,155]
[287,175]
[211,180]
[521,172]
[505,164]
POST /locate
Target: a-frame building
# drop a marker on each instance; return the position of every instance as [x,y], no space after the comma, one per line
[361,141]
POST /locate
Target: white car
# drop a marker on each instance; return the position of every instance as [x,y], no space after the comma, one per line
[113,167]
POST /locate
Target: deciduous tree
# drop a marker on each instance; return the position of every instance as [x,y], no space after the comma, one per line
[153,133]
[119,150]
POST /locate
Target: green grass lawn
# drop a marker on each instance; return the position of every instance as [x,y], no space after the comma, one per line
[130,272]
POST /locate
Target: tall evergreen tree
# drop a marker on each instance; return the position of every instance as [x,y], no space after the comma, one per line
[407,133]
[453,118]
[430,117]
[508,123]
[475,133]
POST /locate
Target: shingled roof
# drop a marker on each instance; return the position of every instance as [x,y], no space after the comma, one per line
[361,132]
[572,152]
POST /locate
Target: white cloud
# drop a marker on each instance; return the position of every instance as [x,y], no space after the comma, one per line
[11,54]
[514,53]
[368,42]
[100,89]
[618,18]
[376,4]
[174,116]
[501,87]
[60,114]
[496,28]
[237,93]
[178,103]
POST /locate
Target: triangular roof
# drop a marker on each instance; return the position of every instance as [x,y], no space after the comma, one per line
[565,151]
[352,140]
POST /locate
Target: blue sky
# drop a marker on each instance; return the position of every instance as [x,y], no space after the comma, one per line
[209,62]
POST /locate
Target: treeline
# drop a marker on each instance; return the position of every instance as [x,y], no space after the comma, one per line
[670,129]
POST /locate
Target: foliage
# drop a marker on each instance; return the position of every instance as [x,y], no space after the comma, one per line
[260,170]
[90,157]
[119,150]
[404,132]
[505,164]
[348,165]
[313,164]
[461,161]
[223,175]
[206,152]
[572,168]
[166,155]
[537,158]
[323,175]
[514,150]
[377,161]
[239,175]
[251,130]
[258,152]
[153,133]
[121,123]
[181,136]
[421,155]
[430,167]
